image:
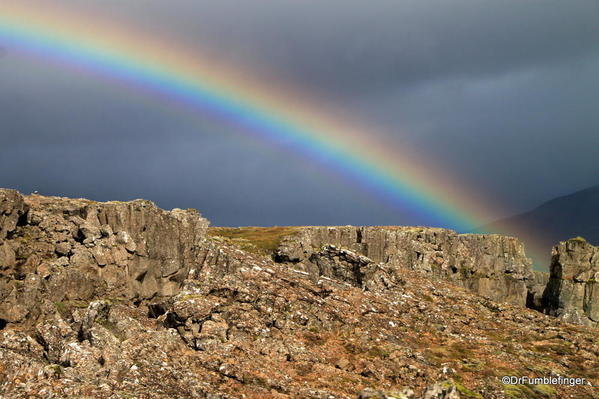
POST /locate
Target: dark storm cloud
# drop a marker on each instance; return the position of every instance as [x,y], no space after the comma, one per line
[521,137]
[504,93]
[350,46]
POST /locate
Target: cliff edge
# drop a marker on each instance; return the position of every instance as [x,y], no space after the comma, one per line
[54,250]
[491,265]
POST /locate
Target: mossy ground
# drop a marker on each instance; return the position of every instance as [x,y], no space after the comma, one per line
[529,391]
[467,393]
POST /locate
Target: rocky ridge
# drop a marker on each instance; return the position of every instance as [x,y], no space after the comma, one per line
[225,321]
[491,265]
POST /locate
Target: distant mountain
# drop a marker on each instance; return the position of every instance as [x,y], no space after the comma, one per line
[556,220]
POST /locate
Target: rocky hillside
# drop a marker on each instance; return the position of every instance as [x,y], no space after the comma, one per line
[124,300]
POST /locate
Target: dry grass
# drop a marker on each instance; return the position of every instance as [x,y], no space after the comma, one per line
[259,240]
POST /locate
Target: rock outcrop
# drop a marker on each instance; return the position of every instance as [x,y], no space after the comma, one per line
[54,250]
[490,265]
[572,293]
[117,300]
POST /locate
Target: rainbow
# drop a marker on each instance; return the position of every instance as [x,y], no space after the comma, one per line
[394,174]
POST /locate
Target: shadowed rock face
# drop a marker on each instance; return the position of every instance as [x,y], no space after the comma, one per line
[57,249]
[536,290]
[491,265]
[572,293]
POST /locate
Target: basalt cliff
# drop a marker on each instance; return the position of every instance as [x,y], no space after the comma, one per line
[490,265]
[572,293]
[125,300]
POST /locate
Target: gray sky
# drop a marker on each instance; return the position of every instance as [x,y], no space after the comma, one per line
[504,93]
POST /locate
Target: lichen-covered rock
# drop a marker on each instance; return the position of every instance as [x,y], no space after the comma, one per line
[12,208]
[215,260]
[340,264]
[491,265]
[370,393]
[55,250]
[572,293]
[443,390]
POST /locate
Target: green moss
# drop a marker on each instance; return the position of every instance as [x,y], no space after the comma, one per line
[546,390]
[529,391]
[79,304]
[347,380]
[64,307]
[61,307]
[57,370]
[379,352]
[557,349]
[513,391]
[394,395]
[467,393]
[472,365]
[466,271]
[26,237]
[453,352]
